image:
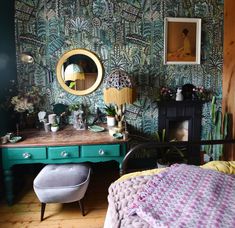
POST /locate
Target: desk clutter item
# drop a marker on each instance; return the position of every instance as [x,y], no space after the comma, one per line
[9,137]
[79,120]
[15,139]
[52,119]
[4,139]
[46,127]
[62,183]
[96,128]
[54,127]
[41,116]
[52,123]
[118,135]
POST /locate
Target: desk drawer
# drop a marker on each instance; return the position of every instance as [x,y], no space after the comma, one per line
[100,151]
[63,152]
[31,153]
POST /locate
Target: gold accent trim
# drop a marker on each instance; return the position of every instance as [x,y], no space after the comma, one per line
[79,51]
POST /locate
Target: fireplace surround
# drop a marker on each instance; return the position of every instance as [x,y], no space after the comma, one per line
[182,121]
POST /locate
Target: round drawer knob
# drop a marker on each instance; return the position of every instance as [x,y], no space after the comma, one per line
[101,152]
[26,155]
[64,154]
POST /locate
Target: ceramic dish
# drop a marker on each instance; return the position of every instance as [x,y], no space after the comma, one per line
[117,135]
[96,128]
[15,139]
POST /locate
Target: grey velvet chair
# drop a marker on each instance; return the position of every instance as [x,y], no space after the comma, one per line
[62,183]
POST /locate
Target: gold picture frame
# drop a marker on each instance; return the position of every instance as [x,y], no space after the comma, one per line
[182,40]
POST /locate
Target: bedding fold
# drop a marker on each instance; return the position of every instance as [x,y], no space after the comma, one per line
[187,196]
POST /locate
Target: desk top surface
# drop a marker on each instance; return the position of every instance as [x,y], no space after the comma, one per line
[66,136]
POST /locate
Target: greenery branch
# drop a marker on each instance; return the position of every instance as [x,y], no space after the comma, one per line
[110,110]
[219,130]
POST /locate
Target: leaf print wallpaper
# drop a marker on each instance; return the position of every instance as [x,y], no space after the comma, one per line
[128,35]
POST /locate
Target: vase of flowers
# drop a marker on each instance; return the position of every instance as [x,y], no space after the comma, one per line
[166,94]
[26,104]
[200,93]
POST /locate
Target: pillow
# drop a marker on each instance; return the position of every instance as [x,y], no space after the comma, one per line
[227,167]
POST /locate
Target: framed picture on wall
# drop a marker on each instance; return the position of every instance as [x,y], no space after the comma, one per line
[182,40]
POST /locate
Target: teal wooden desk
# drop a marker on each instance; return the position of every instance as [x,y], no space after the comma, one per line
[65,146]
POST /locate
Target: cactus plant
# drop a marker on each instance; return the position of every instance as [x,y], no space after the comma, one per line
[219,130]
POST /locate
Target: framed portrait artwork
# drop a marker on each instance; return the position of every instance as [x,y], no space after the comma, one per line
[182,40]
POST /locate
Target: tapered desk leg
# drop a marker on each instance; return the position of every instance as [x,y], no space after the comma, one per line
[8,179]
[120,169]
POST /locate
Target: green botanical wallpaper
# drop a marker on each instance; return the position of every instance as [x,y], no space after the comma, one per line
[124,34]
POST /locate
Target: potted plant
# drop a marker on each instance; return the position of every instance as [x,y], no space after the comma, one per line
[110,114]
[54,127]
[169,154]
[219,130]
[74,107]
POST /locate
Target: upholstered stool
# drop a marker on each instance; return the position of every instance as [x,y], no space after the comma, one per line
[62,183]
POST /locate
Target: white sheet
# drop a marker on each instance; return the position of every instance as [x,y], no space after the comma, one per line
[108,221]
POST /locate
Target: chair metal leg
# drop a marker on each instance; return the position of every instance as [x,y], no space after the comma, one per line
[81,206]
[43,206]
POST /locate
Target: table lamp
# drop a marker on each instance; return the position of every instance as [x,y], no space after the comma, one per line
[118,90]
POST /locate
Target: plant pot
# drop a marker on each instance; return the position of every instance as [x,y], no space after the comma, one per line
[111,121]
[160,164]
[55,129]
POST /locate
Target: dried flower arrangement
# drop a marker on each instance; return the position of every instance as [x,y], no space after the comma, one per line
[28,101]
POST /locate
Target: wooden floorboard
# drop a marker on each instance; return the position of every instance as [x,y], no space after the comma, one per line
[26,210]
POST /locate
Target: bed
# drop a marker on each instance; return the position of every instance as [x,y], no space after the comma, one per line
[178,196]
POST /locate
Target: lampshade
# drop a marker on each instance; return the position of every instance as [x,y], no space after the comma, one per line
[118,88]
[74,72]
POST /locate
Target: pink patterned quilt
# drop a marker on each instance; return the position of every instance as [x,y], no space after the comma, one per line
[187,196]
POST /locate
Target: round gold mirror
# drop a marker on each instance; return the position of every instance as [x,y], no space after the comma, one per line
[79,71]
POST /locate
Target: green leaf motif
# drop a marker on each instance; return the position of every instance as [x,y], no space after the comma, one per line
[55,44]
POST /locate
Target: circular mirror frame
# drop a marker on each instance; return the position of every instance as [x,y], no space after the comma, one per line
[79,51]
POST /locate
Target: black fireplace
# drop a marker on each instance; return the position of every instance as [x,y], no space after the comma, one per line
[182,121]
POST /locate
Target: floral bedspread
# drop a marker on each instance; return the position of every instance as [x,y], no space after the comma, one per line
[186,196]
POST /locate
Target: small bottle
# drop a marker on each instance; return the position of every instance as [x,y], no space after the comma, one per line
[47,127]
